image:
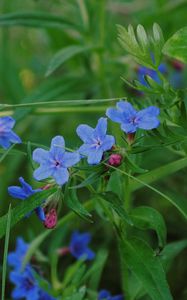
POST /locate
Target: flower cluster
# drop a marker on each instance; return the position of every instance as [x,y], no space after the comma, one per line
[26,285]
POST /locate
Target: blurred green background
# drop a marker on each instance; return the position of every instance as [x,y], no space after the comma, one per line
[26,50]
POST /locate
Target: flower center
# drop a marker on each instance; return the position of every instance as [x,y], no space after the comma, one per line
[57,163]
[133,120]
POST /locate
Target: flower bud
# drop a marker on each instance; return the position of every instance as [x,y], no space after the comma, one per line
[50,219]
[177,65]
[131,138]
[115,160]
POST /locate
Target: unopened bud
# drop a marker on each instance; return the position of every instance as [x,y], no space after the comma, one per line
[177,65]
[115,160]
[50,219]
[63,251]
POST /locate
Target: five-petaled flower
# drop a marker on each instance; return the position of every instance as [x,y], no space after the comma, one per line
[25,281]
[55,162]
[7,136]
[143,71]
[131,119]
[96,141]
[23,193]
[79,246]
[106,295]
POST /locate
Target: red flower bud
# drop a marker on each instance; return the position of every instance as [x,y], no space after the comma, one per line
[177,65]
[115,160]
[51,219]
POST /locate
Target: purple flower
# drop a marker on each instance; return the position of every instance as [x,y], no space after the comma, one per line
[96,141]
[7,136]
[15,258]
[23,193]
[143,71]
[55,162]
[105,295]
[131,120]
[79,246]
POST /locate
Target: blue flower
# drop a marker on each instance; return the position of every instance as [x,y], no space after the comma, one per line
[143,71]
[96,141]
[23,193]
[79,246]
[55,162]
[131,120]
[7,136]
[25,285]
[105,295]
[15,258]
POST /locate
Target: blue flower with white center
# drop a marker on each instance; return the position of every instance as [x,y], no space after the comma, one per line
[131,119]
[55,162]
[143,71]
[79,246]
[105,295]
[7,136]
[15,258]
[23,193]
[96,141]
[25,285]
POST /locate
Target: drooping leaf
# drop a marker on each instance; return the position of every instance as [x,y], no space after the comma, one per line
[24,208]
[93,177]
[176,46]
[63,55]
[145,217]
[147,267]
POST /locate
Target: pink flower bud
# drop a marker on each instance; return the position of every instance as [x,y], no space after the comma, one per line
[51,219]
[115,160]
[177,65]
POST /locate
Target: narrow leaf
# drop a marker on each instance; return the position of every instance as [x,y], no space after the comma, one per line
[6,252]
[63,55]
[24,208]
[147,267]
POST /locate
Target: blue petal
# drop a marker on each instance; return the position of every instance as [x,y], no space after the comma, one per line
[61,176]
[40,213]
[13,137]
[90,254]
[126,108]
[101,128]
[95,156]
[148,123]
[114,114]
[57,147]
[4,142]
[43,172]
[7,122]
[151,111]
[70,158]
[17,192]
[85,133]
[85,149]
[40,155]
[108,142]
[128,127]
[119,297]
[27,188]
[103,294]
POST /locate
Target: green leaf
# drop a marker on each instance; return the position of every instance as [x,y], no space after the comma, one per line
[171,250]
[133,166]
[145,217]
[146,266]
[6,152]
[22,209]
[97,268]
[6,252]
[176,46]
[79,295]
[72,201]
[35,19]
[117,205]
[93,177]
[71,272]
[63,55]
